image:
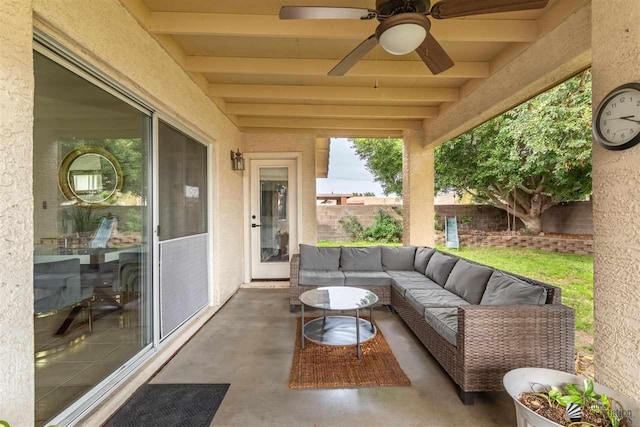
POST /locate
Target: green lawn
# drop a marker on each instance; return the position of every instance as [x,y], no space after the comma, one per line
[573,273]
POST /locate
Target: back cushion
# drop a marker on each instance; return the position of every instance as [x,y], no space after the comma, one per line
[439,267]
[468,281]
[361,259]
[503,289]
[423,255]
[398,258]
[315,258]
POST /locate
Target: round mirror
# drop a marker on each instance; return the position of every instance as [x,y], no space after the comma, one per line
[90,175]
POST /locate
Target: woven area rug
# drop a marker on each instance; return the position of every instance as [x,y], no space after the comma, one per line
[322,366]
[186,405]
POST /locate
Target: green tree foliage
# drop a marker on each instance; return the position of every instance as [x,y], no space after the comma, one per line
[383,158]
[385,228]
[529,158]
[352,225]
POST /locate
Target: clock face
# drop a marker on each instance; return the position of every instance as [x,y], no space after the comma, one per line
[617,124]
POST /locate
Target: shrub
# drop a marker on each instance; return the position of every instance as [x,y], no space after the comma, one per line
[385,228]
[352,225]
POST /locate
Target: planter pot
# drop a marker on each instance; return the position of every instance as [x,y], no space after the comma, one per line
[519,381]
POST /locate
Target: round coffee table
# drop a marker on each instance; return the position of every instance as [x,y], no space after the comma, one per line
[339,330]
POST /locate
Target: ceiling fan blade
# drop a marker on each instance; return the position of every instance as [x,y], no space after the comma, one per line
[456,8]
[354,56]
[433,55]
[311,12]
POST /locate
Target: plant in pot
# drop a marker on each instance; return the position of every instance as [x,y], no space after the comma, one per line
[550,398]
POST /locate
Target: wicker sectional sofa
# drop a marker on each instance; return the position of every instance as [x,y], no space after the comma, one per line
[478,322]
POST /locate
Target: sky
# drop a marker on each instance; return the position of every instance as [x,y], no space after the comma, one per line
[347,173]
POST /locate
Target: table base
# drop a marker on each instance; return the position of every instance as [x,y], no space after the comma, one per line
[338,330]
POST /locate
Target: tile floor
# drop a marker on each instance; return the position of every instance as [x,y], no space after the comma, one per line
[64,376]
[249,344]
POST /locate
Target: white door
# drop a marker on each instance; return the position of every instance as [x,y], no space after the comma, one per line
[273,219]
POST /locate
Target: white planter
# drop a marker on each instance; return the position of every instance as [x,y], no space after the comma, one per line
[519,381]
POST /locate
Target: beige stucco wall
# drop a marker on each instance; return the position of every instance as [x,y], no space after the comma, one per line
[121,48]
[616,206]
[418,192]
[304,144]
[16,213]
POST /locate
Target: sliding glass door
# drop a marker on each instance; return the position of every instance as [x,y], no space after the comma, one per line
[92,287]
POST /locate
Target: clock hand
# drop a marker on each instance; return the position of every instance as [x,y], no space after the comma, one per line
[630,119]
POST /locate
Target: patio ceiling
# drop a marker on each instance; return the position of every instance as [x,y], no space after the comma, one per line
[269,75]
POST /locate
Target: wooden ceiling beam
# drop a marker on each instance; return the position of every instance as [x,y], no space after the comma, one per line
[333,93]
[244,25]
[328,133]
[364,124]
[320,67]
[331,111]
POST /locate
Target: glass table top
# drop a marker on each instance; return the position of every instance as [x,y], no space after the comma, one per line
[339,298]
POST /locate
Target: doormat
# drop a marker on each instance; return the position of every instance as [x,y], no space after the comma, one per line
[323,366]
[188,405]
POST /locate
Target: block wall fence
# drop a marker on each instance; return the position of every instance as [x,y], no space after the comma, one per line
[568,218]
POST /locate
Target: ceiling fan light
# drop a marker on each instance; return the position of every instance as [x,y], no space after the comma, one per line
[402,38]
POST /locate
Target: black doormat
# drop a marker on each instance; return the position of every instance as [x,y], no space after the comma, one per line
[185,405]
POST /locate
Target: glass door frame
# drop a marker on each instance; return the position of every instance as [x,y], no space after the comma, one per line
[297,221]
[56,51]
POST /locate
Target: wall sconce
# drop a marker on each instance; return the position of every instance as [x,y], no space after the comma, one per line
[237,161]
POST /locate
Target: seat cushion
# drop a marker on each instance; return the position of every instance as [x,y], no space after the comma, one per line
[402,284]
[439,267]
[366,278]
[503,289]
[423,255]
[401,258]
[361,259]
[420,299]
[444,321]
[468,280]
[320,278]
[319,258]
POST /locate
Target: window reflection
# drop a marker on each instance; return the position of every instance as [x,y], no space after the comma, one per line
[91,286]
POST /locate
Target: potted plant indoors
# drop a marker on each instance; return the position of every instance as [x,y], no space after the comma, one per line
[550,398]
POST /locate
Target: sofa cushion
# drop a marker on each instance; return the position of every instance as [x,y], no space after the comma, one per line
[398,258]
[405,274]
[315,258]
[361,259]
[444,321]
[402,284]
[320,278]
[439,267]
[420,299]
[468,280]
[503,289]
[366,278]
[423,255]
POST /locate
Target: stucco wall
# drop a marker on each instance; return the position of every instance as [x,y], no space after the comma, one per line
[305,144]
[16,213]
[616,207]
[418,203]
[121,48]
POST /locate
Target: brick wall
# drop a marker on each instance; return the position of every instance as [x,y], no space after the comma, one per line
[329,215]
[575,246]
[570,218]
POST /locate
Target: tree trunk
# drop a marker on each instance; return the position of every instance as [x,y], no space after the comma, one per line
[532,223]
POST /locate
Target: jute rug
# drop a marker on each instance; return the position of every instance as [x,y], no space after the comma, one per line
[322,366]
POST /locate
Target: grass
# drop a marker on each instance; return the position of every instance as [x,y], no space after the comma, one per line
[573,273]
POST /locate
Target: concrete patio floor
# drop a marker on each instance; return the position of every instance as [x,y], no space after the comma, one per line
[249,344]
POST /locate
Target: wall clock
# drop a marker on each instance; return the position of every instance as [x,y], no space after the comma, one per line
[616,124]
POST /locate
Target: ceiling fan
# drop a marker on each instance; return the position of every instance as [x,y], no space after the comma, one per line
[404,25]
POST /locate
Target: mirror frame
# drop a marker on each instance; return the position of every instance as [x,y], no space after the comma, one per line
[65,165]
